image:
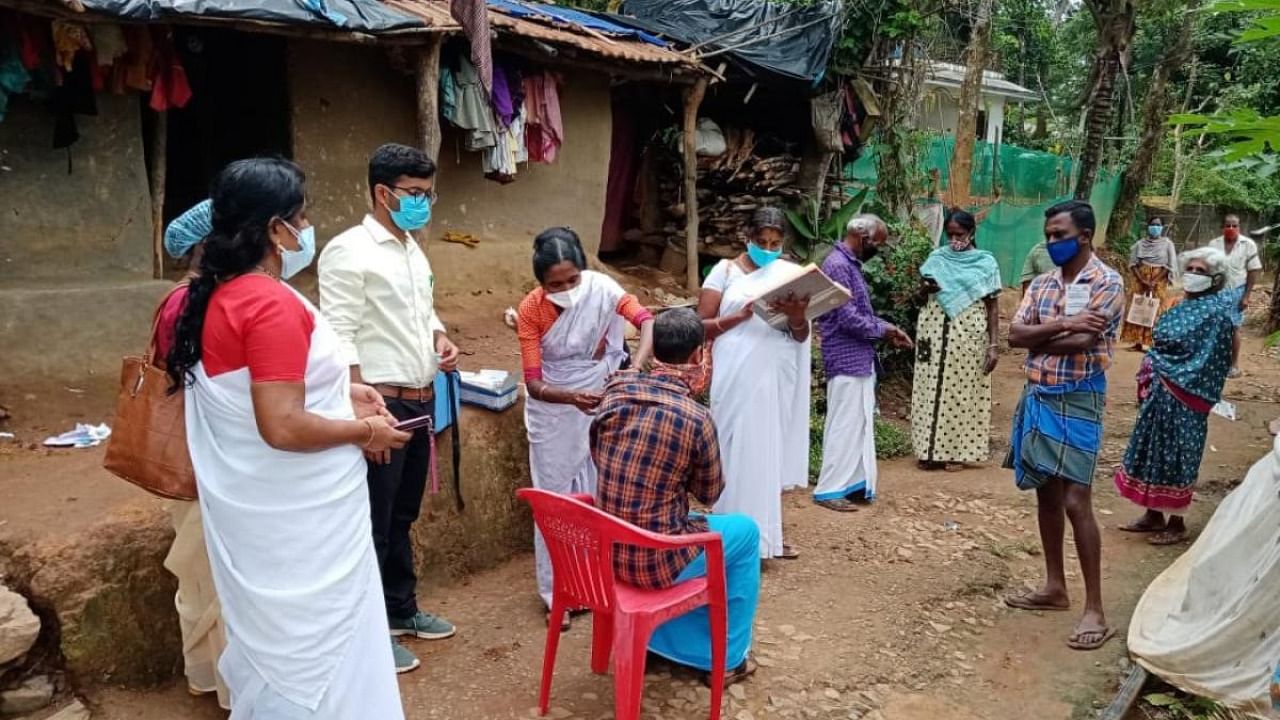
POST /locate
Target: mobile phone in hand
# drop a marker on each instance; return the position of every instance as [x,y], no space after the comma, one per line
[414,423]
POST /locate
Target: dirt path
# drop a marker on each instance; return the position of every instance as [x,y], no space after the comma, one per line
[892,613]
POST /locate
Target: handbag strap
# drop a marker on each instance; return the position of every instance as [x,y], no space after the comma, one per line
[148,357]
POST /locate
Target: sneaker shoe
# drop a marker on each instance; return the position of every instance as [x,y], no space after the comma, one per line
[405,660]
[422,625]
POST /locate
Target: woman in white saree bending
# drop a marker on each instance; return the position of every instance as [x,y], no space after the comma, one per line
[571,339]
[276,431]
[759,383]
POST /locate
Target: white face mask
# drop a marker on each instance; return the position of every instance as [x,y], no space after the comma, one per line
[1197,283]
[566,299]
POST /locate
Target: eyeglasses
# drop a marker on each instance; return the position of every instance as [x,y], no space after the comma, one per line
[418,193]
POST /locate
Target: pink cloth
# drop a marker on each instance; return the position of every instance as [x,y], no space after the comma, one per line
[167,323]
[544,130]
[473,16]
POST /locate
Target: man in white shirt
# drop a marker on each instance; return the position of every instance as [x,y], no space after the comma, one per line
[1243,268]
[376,290]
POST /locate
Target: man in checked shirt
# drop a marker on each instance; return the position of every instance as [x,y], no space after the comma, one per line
[653,447]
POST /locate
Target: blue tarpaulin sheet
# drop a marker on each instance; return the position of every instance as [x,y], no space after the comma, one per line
[533,11]
[369,16]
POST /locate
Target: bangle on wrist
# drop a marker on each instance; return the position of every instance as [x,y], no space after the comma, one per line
[368,423]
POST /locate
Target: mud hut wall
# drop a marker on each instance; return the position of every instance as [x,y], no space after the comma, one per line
[347,100]
[75,241]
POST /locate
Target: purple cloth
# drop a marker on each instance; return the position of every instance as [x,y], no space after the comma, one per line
[503,103]
[850,332]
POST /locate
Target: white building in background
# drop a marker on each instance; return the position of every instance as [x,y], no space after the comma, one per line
[941,107]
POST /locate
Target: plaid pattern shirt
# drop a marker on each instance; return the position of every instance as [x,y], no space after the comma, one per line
[653,446]
[1046,300]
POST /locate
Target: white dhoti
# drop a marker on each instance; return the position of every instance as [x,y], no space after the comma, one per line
[848,439]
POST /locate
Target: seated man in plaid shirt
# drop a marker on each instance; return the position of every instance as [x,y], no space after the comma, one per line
[1067,322]
[653,447]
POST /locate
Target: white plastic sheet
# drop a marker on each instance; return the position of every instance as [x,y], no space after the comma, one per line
[1210,623]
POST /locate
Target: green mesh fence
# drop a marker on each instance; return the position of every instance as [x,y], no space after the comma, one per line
[1028,181]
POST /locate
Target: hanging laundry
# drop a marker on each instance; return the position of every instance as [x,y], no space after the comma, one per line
[170,89]
[448,94]
[37,41]
[73,97]
[108,43]
[133,71]
[13,76]
[474,113]
[68,39]
[473,16]
[544,131]
[503,107]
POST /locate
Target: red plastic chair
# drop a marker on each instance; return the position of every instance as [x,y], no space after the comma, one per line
[580,540]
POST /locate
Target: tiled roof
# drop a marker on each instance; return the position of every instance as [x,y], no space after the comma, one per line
[435,13]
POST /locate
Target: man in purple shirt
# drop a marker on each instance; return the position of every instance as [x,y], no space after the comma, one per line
[849,335]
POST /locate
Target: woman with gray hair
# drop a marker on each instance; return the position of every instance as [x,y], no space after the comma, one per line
[759,382]
[1180,381]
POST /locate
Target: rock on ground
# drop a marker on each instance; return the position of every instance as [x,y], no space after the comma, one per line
[33,694]
[18,626]
[75,711]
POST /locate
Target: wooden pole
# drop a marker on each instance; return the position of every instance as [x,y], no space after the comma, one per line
[428,96]
[692,100]
[159,163]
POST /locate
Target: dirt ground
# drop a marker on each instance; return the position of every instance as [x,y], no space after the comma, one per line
[891,613]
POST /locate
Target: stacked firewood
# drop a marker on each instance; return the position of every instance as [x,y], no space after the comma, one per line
[730,188]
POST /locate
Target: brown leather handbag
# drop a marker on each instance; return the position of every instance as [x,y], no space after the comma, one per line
[148,445]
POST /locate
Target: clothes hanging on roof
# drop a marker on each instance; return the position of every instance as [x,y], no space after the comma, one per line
[37,41]
[544,131]
[448,94]
[73,97]
[13,76]
[473,16]
[133,70]
[69,38]
[473,111]
[170,88]
[108,43]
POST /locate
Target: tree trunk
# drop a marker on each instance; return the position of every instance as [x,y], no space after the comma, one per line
[1114,20]
[1155,108]
[970,97]
[692,101]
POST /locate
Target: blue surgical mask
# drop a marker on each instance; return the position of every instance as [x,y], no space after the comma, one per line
[1064,251]
[1155,230]
[293,262]
[414,213]
[760,256]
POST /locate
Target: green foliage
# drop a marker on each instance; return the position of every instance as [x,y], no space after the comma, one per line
[815,233]
[1177,706]
[893,278]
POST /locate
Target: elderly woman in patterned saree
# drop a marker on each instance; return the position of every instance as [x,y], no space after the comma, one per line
[956,342]
[1153,261]
[1180,381]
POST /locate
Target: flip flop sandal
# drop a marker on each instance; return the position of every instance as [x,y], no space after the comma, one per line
[1024,602]
[1168,538]
[736,675]
[566,624]
[789,553]
[954,467]
[839,505]
[1136,528]
[1074,644]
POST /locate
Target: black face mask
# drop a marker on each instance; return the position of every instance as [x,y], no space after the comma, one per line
[868,251]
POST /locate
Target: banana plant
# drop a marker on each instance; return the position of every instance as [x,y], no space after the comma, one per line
[816,232]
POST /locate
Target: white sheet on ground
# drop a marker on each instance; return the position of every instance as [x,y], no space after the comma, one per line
[1208,624]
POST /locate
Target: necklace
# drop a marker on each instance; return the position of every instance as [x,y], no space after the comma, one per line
[266,272]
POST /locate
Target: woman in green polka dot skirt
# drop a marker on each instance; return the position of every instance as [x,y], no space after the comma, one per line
[955,351]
